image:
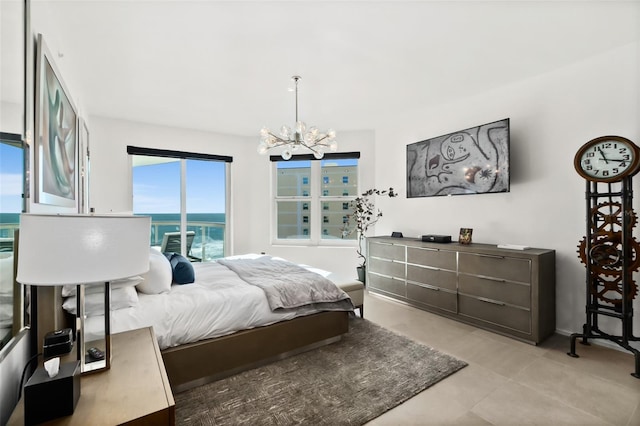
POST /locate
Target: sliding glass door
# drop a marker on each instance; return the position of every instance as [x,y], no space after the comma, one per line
[186,199]
[206,207]
[11,205]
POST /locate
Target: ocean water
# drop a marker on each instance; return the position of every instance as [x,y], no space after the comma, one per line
[208,242]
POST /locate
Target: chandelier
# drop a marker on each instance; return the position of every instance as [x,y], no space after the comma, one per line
[292,139]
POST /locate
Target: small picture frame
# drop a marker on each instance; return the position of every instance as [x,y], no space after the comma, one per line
[465,235]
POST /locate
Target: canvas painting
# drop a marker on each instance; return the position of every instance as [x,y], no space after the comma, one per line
[470,161]
[56,136]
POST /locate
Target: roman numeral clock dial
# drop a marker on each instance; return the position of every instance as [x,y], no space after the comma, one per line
[607,159]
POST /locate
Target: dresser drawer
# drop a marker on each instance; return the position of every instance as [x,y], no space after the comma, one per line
[433,257]
[433,277]
[387,251]
[387,284]
[494,313]
[386,267]
[432,296]
[508,268]
[499,290]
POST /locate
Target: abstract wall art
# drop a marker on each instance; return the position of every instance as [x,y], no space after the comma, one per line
[56,134]
[470,161]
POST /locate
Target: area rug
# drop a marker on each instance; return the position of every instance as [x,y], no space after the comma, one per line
[350,382]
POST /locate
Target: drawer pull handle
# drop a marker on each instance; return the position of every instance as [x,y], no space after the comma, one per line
[430,287]
[493,256]
[493,302]
[429,268]
[500,280]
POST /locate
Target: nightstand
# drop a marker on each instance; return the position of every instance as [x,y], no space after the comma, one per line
[135,390]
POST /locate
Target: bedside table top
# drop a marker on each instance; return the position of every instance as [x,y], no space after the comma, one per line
[135,389]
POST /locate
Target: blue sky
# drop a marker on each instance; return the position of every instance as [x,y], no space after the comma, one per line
[12,166]
[307,163]
[156,188]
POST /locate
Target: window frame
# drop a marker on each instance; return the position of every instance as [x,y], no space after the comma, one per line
[314,201]
[182,157]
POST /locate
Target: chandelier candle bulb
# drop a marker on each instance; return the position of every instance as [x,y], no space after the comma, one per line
[311,139]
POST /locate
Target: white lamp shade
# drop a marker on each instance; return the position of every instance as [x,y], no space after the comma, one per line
[81,249]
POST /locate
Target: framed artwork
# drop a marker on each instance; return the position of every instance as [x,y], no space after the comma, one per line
[56,135]
[465,235]
[83,166]
[470,161]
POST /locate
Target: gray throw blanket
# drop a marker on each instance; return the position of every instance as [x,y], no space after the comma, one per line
[288,285]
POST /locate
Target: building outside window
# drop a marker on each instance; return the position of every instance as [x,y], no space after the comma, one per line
[310,198]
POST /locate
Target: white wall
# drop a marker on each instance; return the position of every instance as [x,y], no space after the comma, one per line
[11,117]
[551,115]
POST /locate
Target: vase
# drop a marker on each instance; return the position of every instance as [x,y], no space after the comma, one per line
[362,275]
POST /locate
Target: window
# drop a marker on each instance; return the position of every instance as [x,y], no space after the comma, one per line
[182,192]
[12,162]
[312,198]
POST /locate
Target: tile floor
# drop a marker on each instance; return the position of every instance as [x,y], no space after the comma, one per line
[508,382]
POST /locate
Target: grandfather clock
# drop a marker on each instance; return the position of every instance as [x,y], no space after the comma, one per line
[609,251]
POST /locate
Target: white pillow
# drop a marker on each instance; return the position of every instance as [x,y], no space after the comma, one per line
[158,279]
[70,290]
[121,298]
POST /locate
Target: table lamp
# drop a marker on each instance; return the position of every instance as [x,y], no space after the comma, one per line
[56,250]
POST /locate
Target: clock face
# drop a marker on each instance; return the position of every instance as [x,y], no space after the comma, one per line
[607,159]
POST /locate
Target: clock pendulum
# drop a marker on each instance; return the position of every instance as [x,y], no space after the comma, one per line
[609,251]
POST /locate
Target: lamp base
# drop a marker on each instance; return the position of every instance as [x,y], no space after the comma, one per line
[47,398]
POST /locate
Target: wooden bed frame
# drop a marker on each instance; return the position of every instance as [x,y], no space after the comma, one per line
[201,362]
[197,363]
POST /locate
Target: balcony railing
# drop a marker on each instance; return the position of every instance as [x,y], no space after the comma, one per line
[6,236]
[208,242]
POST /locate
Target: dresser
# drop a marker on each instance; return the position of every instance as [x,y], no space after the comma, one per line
[134,391]
[511,292]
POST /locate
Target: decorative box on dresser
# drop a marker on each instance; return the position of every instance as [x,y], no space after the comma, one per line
[511,292]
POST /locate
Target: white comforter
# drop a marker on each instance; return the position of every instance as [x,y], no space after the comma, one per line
[218,303]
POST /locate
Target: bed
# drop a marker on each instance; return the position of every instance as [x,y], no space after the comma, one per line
[226,320]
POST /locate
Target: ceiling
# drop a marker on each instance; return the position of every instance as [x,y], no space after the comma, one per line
[225,66]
